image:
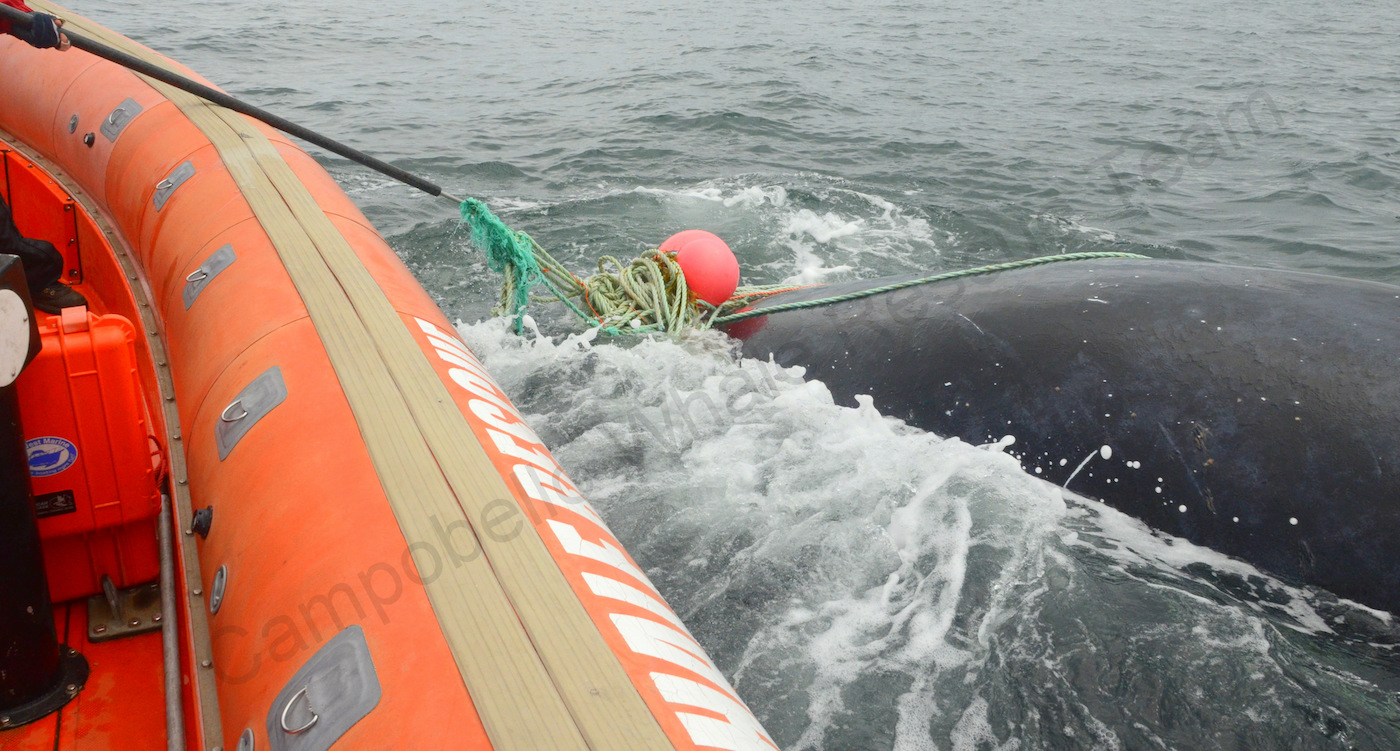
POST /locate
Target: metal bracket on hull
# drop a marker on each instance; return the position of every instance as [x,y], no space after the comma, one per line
[123,612]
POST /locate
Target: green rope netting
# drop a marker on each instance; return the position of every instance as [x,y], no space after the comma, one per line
[649,294]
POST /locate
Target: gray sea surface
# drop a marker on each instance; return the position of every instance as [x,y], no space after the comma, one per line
[866,585]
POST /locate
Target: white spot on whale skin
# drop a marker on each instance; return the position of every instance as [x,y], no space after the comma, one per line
[1097,300]
[1237,520]
[1158,488]
[1293,520]
[1106,452]
[1181,508]
[1063,462]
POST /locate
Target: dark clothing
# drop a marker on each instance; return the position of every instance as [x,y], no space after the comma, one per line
[43,30]
[43,264]
[17,5]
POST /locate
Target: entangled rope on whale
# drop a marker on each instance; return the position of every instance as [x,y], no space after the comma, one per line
[649,294]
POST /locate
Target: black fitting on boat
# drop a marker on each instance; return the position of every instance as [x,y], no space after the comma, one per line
[37,674]
[202,521]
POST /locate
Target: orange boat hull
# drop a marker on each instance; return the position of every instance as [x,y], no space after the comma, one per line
[392,487]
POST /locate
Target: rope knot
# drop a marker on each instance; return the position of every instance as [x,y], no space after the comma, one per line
[507,252]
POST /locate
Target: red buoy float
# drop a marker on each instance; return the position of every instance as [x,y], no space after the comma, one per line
[710,268]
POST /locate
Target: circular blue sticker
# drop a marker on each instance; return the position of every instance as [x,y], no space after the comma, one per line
[50,455]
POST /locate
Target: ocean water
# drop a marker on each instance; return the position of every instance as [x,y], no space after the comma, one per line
[866,585]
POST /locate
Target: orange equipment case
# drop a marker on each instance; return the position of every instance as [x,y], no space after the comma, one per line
[93,464]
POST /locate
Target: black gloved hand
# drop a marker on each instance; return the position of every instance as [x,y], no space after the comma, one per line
[43,32]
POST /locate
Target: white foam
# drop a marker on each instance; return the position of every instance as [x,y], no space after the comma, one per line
[1072,224]
[973,732]
[755,195]
[851,233]
[747,453]
[823,228]
[858,547]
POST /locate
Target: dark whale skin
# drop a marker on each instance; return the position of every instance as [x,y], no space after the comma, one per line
[1264,403]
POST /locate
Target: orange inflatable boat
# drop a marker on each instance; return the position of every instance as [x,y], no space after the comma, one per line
[367,546]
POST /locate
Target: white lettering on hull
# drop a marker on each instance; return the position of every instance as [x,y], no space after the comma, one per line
[616,590]
[603,551]
[738,731]
[554,490]
[647,637]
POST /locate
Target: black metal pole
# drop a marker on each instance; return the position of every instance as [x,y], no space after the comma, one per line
[28,641]
[224,100]
[37,674]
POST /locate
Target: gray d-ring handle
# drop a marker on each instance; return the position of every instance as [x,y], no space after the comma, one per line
[175,179]
[339,681]
[248,407]
[115,122]
[197,280]
[309,710]
[235,418]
